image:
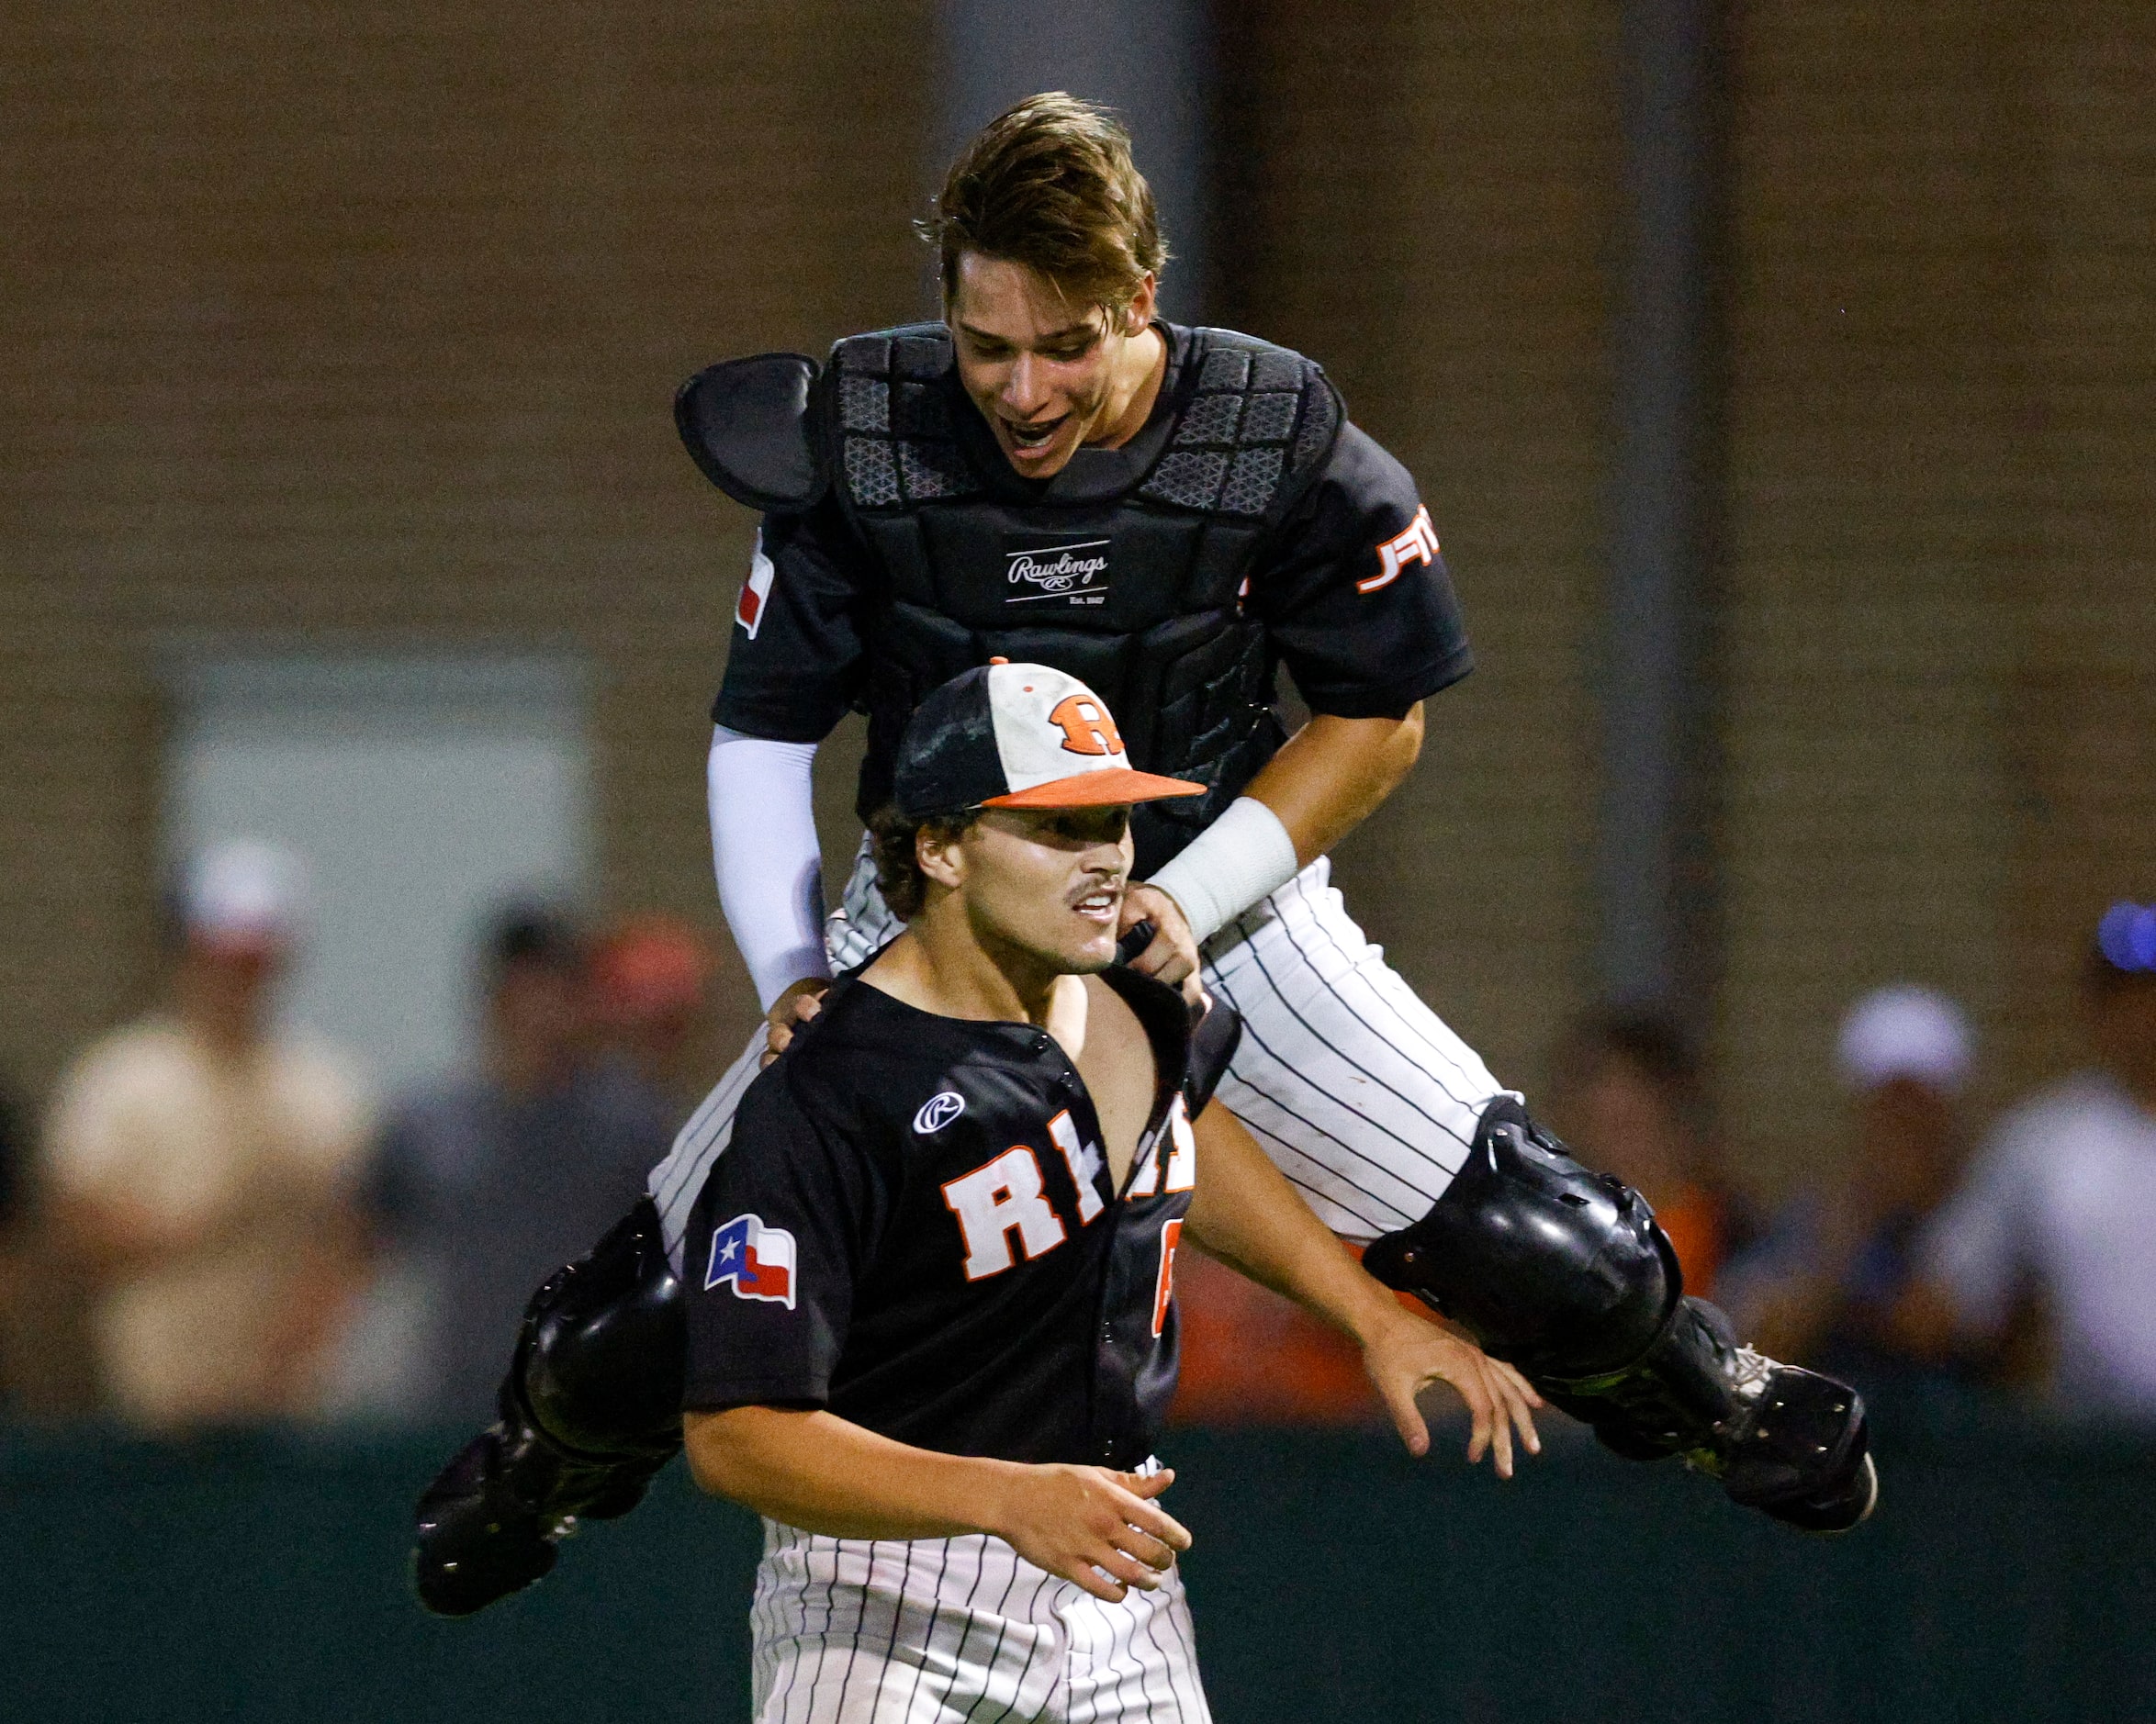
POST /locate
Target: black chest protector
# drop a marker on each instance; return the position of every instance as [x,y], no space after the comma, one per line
[1129,569]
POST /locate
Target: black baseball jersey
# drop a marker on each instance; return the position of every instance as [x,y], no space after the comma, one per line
[915,1228]
[1350,589]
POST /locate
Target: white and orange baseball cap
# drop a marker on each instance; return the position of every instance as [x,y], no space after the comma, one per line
[1009,735]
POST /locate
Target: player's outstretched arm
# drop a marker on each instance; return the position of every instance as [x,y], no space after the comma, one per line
[823,1473]
[1245,1212]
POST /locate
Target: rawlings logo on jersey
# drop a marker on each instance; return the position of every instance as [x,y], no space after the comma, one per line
[758,1260]
[1417,543]
[938,1111]
[1074,571]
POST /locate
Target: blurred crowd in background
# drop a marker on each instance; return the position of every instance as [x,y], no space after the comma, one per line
[218,1225]
[215,1224]
[1937,1258]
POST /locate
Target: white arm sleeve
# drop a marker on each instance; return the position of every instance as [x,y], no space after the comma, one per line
[764,850]
[1229,866]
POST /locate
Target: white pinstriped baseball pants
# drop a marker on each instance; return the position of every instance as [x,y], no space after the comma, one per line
[939,1630]
[1358,1091]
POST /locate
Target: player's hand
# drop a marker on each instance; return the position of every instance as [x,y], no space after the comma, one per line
[1172,955]
[1097,1529]
[797,1005]
[1408,1353]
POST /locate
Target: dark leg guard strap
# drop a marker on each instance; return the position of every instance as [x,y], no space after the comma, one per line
[589,1411]
[1565,1274]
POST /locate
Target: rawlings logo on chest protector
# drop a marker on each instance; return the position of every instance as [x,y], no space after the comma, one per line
[1065,572]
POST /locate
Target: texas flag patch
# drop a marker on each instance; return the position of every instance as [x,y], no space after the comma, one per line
[756,591]
[758,1260]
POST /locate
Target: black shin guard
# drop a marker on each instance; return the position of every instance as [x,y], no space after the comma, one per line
[589,1411]
[1565,1274]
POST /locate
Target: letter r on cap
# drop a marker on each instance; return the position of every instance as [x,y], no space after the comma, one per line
[1087,729]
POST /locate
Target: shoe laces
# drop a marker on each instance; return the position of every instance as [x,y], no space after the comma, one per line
[1749,1372]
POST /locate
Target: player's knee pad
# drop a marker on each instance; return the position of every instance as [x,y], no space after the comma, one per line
[1561,1271]
[1567,1274]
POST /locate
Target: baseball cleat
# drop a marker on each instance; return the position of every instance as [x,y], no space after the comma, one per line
[1800,1449]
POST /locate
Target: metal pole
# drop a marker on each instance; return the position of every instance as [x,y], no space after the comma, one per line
[1149,60]
[1656,864]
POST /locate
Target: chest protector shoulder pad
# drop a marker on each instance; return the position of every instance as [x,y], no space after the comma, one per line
[897,445]
[1257,426]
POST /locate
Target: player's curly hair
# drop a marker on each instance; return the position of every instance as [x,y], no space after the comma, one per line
[1049,183]
[898,865]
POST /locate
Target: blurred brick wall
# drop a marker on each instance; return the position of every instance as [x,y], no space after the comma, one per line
[2080,745]
[1940,609]
[1420,199]
[365,332]
[362,326]
[1942,578]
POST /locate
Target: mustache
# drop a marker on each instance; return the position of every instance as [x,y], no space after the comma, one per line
[1117,881]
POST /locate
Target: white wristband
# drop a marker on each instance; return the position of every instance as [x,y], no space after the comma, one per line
[1229,866]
